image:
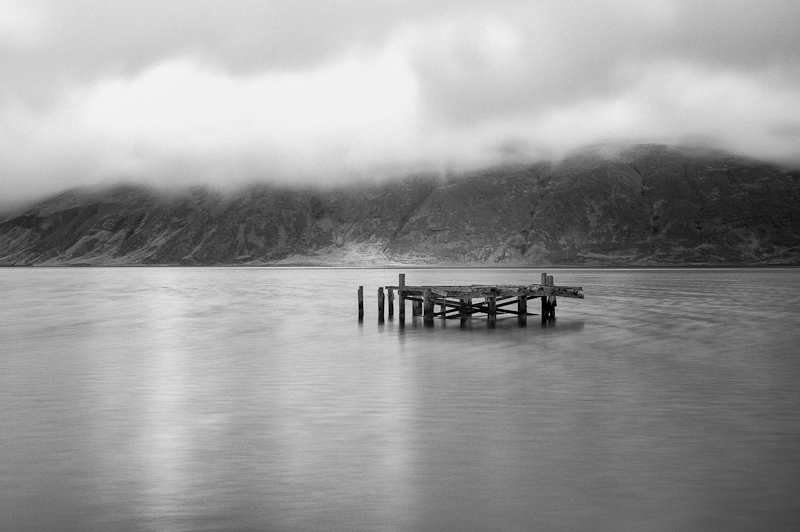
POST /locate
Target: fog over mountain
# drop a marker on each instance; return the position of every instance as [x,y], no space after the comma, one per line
[301,92]
[607,205]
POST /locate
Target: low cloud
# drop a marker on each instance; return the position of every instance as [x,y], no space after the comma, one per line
[234,92]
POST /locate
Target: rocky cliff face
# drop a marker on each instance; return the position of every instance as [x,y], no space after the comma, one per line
[640,205]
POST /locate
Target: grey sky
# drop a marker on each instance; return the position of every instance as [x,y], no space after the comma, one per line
[224,92]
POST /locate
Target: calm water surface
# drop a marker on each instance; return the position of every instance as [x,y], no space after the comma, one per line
[243,399]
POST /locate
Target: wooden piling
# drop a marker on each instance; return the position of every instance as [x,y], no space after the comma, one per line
[391,303]
[548,310]
[463,304]
[545,306]
[522,308]
[492,304]
[401,292]
[360,302]
[381,304]
[416,308]
[427,306]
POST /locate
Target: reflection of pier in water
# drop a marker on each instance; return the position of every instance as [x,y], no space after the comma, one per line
[465,301]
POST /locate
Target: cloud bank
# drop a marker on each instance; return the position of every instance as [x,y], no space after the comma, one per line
[224,93]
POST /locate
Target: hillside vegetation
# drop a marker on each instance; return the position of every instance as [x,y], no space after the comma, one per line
[638,205]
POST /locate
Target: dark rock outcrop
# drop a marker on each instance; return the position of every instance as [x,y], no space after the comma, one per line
[639,205]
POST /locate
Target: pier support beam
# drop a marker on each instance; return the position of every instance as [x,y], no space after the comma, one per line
[492,304]
[464,303]
[401,292]
[551,300]
[548,302]
[428,302]
[545,308]
[381,304]
[548,308]
[360,303]
[391,303]
[522,308]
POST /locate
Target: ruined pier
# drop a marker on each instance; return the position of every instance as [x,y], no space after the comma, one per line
[463,302]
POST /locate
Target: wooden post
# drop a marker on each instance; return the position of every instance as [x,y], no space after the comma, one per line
[360,302]
[492,301]
[401,292]
[522,308]
[381,304]
[462,306]
[443,307]
[391,302]
[416,308]
[551,300]
[428,307]
[545,305]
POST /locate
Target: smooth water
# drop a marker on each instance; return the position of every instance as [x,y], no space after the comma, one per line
[253,399]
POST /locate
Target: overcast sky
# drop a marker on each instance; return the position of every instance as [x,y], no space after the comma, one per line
[173,92]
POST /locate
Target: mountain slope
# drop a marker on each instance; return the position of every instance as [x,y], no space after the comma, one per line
[636,205]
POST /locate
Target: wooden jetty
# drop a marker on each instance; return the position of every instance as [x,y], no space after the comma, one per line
[465,301]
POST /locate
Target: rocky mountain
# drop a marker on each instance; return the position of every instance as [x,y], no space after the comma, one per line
[609,205]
